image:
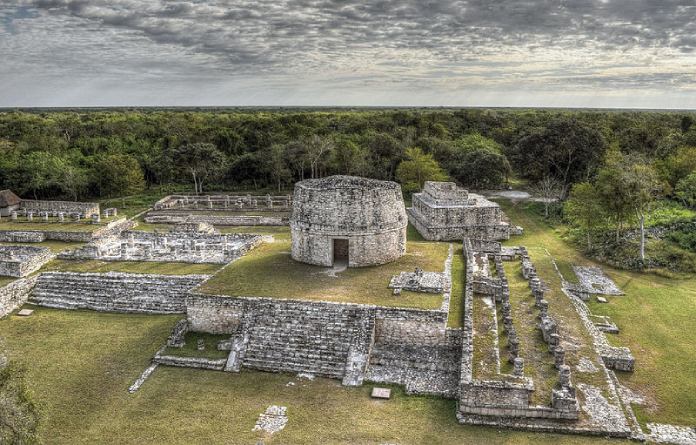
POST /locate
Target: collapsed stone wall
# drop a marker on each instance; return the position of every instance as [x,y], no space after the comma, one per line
[115,291]
[15,294]
[187,247]
[20,261]
[85,209]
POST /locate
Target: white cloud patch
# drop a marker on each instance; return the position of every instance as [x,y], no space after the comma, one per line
[349,52]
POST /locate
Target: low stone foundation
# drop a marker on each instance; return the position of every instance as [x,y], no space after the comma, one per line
[20,261]
[15,294]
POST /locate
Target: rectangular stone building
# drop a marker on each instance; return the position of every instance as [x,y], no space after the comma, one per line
[445,212]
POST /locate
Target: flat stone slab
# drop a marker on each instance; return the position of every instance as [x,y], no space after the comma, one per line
[272,420]
[381,393]
[602,300]
[593,280]
[418,281]
[681,435]
[25,312]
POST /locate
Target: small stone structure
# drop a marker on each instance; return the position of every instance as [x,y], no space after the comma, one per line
[348,219]
[418,281]
[20,261]
[9,202]
[272,420]
[445,212]
[16,294]
[37,207]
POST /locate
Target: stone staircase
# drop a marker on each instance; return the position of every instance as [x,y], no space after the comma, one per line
[295,338]
[114,292]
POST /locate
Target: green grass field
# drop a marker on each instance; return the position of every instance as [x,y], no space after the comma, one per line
[269,271]
[55,246]
[80,365]
[656,318]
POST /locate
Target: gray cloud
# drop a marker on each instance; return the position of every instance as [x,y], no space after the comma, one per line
[354,48]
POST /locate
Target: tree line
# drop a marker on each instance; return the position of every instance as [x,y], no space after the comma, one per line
[86,154]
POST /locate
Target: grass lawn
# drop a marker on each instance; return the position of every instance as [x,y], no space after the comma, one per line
[55,246]
[657,319]
[269,271]
[456,309]
[80,364]
[150,267]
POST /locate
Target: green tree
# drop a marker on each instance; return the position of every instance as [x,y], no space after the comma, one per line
[118,174]
[277,167]
[686,190]
[202,161]
[678,165]
[584,209]
[644,188]
[418,168]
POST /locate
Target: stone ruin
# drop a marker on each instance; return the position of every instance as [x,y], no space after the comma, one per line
[281,203]
[358,221]
[188,243]
[20,261]
[418,281]
[445,212]
[222,210]
[55,208]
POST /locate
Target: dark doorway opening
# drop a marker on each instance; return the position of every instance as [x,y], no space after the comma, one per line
[340,251]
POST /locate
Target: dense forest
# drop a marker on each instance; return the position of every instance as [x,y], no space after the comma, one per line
[81,154]
[610,169]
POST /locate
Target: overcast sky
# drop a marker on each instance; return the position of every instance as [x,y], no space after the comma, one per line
[573,53]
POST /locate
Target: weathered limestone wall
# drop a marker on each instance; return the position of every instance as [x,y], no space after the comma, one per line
[38,236]
[115,292]
[225,202]
[172,217]
[15,294]
[20,261]
[85,209]
[370,214]
[183,246]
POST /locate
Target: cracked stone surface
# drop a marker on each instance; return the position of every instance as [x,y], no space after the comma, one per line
[602,413]
[272,420]
[680,435]
[586,365]
[593,280]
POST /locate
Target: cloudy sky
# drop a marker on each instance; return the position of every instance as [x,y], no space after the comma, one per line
[574,53]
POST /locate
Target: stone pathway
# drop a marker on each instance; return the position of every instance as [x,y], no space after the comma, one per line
[272,420]
[680,435]
[138,383]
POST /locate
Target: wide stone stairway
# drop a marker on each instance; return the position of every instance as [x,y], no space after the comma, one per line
[115,292]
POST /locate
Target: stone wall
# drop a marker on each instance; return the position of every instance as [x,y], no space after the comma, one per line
[115,292]
[15,294]
[20,261]
[171,217]
[85,236]
[176,246]
[85,209]
[224,202]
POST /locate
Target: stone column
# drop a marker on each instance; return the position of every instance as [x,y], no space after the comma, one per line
[518,367]
[559,357]
[45,216]
[61,217]
[564,376]
[124,251]
[30,216]
[13,215]
[96,219]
